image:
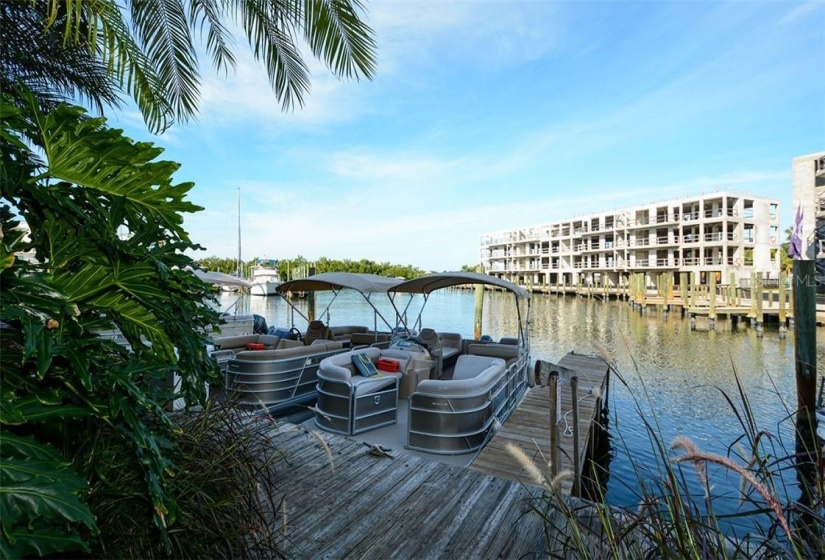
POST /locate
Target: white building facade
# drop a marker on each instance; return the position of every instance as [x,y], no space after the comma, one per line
[809,198]
[719,233]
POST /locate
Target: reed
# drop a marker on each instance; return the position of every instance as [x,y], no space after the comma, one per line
[223,470]
[672,520]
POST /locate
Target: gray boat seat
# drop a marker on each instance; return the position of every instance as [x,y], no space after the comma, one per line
[507,352]
[350,403]
[317,330]
[508,340]
[429,339]
[450,344]
[467,367]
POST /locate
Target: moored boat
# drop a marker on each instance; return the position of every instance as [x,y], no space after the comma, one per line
[278,371]
[431,392]
[265,281]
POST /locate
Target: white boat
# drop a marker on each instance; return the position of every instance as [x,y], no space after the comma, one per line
[265,281]
[278,371]
[434,392]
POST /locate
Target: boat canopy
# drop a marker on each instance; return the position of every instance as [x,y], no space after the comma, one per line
[221,279]
[425,285]
[437,281]
[363,283]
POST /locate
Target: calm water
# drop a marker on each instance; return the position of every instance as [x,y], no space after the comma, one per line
[674,374]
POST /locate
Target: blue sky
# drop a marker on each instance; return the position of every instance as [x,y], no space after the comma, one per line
[490,115]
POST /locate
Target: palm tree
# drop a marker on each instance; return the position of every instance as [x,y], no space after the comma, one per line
[149,47]
[52,69]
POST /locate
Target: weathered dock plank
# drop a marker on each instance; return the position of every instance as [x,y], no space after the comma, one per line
[343,502]
[529,425]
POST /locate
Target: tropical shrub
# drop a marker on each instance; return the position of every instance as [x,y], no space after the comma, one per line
[107,247]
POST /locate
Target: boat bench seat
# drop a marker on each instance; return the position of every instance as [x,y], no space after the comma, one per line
[317,347]
[472,375]
[340,368]
[240,341]
[227,347]
[368,337]
[350,403]
[343,333]
[508,352]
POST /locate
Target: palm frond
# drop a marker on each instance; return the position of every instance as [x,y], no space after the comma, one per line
[209,13]
[271,33]
[37,56]
[337,36]
[162,28]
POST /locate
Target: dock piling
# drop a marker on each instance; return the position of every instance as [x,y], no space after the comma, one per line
[553,384]
[574,392]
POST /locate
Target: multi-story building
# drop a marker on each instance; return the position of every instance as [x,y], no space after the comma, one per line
[718,233]
[809,201]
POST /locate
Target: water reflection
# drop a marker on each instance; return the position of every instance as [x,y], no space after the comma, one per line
[673,375]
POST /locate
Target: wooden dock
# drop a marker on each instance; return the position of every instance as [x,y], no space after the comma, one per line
[350,504]
[529,426]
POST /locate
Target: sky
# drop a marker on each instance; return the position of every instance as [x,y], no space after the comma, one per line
[485,116]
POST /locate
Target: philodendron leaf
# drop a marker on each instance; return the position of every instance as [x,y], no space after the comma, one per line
[39,539]
[87,153]
[36,483]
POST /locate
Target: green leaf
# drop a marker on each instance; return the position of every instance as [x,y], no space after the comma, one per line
[40,539]
[35,482]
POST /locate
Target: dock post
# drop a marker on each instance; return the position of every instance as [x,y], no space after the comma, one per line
[712,296]
[760,330]
[553,384]
[577,479]
[732,289]
[479,309]
[783,327]
[311,298]
[683,290]
[752,313]
[692,290]
[643,286]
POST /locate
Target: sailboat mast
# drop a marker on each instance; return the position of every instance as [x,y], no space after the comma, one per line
[240,266]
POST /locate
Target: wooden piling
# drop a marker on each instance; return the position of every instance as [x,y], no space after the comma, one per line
[311,298]
[479,311]
[782,294]
[759,304]
[577,481]
[712,296]
[752,313]
[553,384]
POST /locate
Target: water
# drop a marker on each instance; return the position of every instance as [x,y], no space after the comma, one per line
[675,375]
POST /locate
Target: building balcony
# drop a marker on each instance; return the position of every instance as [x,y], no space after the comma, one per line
[667,219]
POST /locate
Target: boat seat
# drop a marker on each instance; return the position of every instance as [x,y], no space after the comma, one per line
[451,344]
[507,352]
[317,330]
[429,339]
[467,367]
[508,340]
[479,380]
[350,403]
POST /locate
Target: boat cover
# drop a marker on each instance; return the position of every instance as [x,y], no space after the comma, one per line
[437,281]
[364,283]
[221,279]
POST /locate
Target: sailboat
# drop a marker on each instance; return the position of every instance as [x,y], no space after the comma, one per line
[239,270]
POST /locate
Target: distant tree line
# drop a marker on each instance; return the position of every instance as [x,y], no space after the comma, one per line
[297,266]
